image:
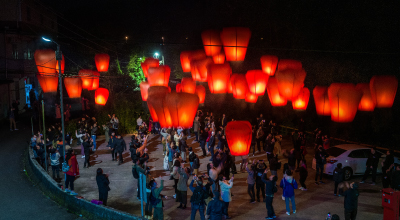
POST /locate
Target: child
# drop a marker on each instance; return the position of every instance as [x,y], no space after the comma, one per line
[303,175]
[338,178]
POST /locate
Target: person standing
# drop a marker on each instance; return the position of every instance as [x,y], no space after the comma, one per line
[196,128]
[303,175]
[387,166]
[203,137]
[198,198]
[226,195]
[259,137]
[55,163]
[111,146]
[12,119]
[351,201]
[72,172]
[103,185]
[372,165]
[181,196]
[158,204]
[136,171]
[215,208]
[93,133]
[196,165]
[260,186]
[120,147]
[224,121]
[289,184]
[337,177]
[270,189]
[87,144]
[251,181]
[211,144]
[320,159]
[139,122]
[106,130]
[253,140]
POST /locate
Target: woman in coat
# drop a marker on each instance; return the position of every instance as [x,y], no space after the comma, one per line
[289,184]
[182,188]
[72,172]
[103,185]
[225,187]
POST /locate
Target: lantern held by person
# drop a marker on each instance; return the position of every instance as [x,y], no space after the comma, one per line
[268,64]
[182,108]
[73,86]
[148,63]
[257,81]
[383,90]
[273,93]
[102,61]
[158,76]
[343,99]
[101,96]
[235,41]
[144,87]
[290,82]
[211,42]
[218,77]
[238,137]
[366,103]
[301,102]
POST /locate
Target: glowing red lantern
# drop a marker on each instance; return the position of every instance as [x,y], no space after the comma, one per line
[301,102]
[235,41]
[343,99]
[218,77]
[211,41]
[273,93]
[201,92]
[238,136]
[148,63]
[219,58]
[62,65]
[289,64]
[251,98]
[268,64]
[157,105]
[182,108]
[199,69]
[46,62]
[188,85]
[178,87]
[187,56]
[96,80]
[144,90]
[366,103]
[101,96]
[87,78]
[383,90]
[230,85]
[48,83]
[159,76]
[257,81]
[321,100]
[239,86]
[73,86]
[102,61]
[290,82]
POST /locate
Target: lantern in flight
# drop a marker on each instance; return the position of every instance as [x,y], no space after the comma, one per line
[148,63]
[273,93]
[87,78]
[235,41]
[144,90]
[268,64]
[101,96]
[289,64]
[321,100]
[157,105]
[290,82]
[211,42]
[102,61]
[301,101]
[238,137]
[230,84]
[201,92]
[48,83]
[182,108]
[383,90]
[257,81]
[239,86]
[178,87]
[96,80]
[218,77]
[73,86]
[199,69]
[188,56]
[219,58]
[62,65]
[188,85]
[159,76]
[366,103]
[45,62]
[251,98]
[343,99]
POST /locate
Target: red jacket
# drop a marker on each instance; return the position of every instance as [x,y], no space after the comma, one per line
[74,168]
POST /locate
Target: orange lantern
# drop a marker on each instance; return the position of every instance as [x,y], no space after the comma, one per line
[102,61]
[289,64]
[178,87]
[144,90]
[48,83]
[199,69]
[230,85]
[219,58]
[188,85]
[62,65]
[187,56]
[201,92]
[101,96]
[239,86]
[87,78]
[251,98]
[211,42]
[218,77]
[235,41]
[343,99]
[96,80]
[159,76]
[301,102]
[268,64]
[73,86]
[46,62]
[238,136]
[290,82]
[182,108]
[148,63]
[157,105]
[273,93]
[383,90]
[321,100]
[257,81]
[366,103]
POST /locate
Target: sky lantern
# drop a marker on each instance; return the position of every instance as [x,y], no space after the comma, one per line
[230,84]
[239,86]
[188,56]
[178,87]
[366,103]
[321,100]
[48,83]
[251,98]
[45,61]
[62,65]
[182,108]
[102,61]
[96,80]
[148,63]
[218,77]
[301,102]
[157,105]
[383,90]
[268,64]
[144,90]
[211,42]
[290,82]
[257,81]
[343,99]
[199,69]
[159,76]
[273,93]
[201,93]
[238,137]
[101,96]
[188,85]
[73,86]
[289,64]
[87,78]
[235,41]
[219,58]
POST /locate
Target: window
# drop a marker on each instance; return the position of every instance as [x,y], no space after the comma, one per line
[28,55]
[358,154]
[14,51]
[28,13]
[335,151]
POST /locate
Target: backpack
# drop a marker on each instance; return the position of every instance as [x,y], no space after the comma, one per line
[153,200]
[65,167]
[199,195]
[135,173]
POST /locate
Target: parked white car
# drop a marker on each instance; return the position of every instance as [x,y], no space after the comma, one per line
[353,158]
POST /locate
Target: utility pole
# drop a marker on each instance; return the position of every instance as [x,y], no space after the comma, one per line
[44,138]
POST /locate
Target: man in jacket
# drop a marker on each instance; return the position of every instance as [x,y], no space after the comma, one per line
[221,141]
[87,144]
[211,144]
[270,189]
[203,137]
[120,147]
[196,128]
[198,198]
[103,185]
[111,146]
[260,186]
[215,208]
[351,201]
[372,165]
[320,159]
[93,133]
[136,171]
[156,193]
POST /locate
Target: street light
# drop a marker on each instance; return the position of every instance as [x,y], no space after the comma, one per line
[156,55]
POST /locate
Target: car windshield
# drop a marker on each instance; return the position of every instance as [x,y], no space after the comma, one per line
[335,151]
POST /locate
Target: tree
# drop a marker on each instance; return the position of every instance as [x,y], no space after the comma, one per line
[133,69]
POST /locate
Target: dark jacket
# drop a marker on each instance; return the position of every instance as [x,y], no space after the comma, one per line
[260,168]
[119,145]
[396,180]
[211,142]
[103,183]
[138,169]
[269,185]
[351,200]
[292,159]
[216,209]
[111,141]
[389,160]
[93,131]
[203,136]
[303,172]
[273,164]
[196,163]
[221,143]
[373,160]
[320,156]
[338,175]
[86,147]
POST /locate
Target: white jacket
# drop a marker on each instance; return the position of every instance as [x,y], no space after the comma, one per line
[226,190]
